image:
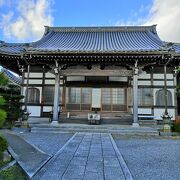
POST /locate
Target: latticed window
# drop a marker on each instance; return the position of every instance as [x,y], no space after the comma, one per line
[78,98]
[106,96]
[118,96]
[160,98]
[74,95]
[114,99]
[73,98]
[33,95]
[145,97]
[48,95]
[86,96]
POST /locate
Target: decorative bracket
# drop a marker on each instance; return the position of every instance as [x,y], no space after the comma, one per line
[58,67]
[136,70]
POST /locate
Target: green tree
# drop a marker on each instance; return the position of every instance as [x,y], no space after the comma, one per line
[3,114]
[12,96]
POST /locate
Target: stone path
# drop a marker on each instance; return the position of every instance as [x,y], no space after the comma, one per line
[87,156]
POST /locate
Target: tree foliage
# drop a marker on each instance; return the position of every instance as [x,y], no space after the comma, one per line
[3,80]
[3,114]
[12,97]
[10,104]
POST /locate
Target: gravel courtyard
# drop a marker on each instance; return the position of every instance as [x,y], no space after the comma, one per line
[146,157]
[151,158]
[50,143]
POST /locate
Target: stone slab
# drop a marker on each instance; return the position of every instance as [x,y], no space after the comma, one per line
[85,156]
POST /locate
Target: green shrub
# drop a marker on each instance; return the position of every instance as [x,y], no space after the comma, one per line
[13,173]
[3,163]
[3,79]
[3,116]
[3,144]
[176,127]
[2,101]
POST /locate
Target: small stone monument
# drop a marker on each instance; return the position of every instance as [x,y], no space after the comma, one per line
[167,121]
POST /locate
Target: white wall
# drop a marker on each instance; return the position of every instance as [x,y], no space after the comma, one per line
[144,110]
[34,75]
[161,76]
[34,110]
[33,81]
[144,83]
[50,81]
[49,75]
[159,112]
[144,75]
[47,108]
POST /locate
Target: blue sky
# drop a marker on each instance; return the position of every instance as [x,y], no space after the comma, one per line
[98,12]
[24,20]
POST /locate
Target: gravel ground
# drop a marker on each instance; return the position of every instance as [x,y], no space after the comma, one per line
[50,143]
[151,158]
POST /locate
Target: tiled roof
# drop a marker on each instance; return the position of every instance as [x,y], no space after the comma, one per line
[177,48]
[14,79]
[92,40]
[12,48]
[98,39]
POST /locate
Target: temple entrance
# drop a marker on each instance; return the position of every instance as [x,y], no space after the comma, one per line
[105,99]
[96,98]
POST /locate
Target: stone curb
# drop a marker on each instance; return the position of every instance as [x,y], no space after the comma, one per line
[22,165]
[43,163]
[120,132]
[7,166]
[124,167]
[35,147]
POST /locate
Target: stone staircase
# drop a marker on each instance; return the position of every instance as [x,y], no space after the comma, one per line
[115,123]
[106,118]
[106,128]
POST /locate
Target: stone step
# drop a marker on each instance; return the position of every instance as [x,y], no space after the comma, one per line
[104,115]
[127,121]
[123,131]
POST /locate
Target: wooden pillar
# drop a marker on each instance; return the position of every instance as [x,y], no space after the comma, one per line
[63,95]
[165,90]
[42,95]
[56,97]
[175,91]
[22,82]
[27,86]
[152,92]
[135,97]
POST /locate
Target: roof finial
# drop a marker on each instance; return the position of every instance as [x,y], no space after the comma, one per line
[154,28]
[46,30]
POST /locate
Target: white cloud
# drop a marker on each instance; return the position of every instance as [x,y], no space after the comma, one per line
[166,14]
[33,15]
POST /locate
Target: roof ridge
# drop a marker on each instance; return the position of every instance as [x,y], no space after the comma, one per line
[100,28]
[176,44]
